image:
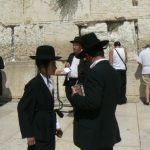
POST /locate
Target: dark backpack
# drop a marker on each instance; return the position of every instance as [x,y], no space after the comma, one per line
[1,63]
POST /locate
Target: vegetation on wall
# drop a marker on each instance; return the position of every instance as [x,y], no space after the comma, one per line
[67,7]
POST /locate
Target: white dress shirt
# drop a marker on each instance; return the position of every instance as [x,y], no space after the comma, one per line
[49,83]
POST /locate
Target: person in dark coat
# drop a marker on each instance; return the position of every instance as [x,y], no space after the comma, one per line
[78,68]
[37,118]
[95,124]
[1,80]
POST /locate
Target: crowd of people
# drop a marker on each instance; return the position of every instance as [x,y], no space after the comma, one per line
[94,87]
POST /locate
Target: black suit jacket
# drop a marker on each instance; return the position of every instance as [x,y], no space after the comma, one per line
[95,124]
[35,111]
[82,69]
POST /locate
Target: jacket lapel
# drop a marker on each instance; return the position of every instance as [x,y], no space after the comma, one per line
[43,86]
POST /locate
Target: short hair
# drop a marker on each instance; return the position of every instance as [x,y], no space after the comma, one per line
[98,53]
[147,45]
[117,43]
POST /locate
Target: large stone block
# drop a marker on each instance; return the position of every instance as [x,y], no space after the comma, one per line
[26,39]
[57,34]
[5,43]
[123,31]
[15,76]
[144,32]
[11,11]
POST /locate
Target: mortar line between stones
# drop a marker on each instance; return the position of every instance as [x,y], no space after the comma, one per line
[138,126]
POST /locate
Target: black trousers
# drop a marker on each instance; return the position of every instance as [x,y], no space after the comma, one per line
[1,87]
[43,145]
[68,90]
[109,148]
[122,74]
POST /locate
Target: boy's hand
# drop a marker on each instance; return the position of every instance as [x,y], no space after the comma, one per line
[31,141]
[59,132]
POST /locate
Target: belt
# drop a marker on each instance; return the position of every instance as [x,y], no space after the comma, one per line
[49,111]
[73,79]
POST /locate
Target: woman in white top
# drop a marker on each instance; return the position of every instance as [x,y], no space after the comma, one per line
[118,59]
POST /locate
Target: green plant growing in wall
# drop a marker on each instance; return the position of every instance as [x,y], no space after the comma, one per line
[67,7]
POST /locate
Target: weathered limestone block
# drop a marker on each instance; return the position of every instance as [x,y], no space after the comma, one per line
[15,76]
[5,43]
[58,34]
[11,11]
[48,10]
[27,38]
[40,11]
[144,32]
[82,11]
[116,31]
[126,34]
[111,10]
[100,29]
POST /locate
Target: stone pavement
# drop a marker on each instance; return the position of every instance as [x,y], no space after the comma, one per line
[133,119]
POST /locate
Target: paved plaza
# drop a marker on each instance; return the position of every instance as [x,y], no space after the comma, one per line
[133,119]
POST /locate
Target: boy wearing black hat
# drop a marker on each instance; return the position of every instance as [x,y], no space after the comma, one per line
[95,124]
[37,118]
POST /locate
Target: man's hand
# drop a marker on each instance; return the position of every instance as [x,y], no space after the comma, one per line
[59,72]
[67,65]
[31,141]
[77,89]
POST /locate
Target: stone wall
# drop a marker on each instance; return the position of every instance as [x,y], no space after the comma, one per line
[26,24]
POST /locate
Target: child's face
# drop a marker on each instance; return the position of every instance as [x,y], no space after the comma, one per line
[51,68]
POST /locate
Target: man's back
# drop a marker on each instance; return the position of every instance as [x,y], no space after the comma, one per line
[144,59]
[96,111]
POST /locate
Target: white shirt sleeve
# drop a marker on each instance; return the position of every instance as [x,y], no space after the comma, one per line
[57,124]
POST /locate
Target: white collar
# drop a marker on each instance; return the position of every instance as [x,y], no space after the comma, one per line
[97,61]
[44,78]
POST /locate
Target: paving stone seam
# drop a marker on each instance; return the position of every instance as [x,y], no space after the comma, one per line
[138,126]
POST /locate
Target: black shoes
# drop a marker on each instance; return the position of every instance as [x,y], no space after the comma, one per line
[146,103]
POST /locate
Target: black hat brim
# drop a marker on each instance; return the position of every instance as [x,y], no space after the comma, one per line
[75,42]
[45,58]
[103,43]
[99,46]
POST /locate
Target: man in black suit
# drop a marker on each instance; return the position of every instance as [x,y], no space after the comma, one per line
[78,68]
[95,124]
[37,118]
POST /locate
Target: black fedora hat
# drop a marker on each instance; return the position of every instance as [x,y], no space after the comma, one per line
[77,39]
[91,44]
[45,52]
